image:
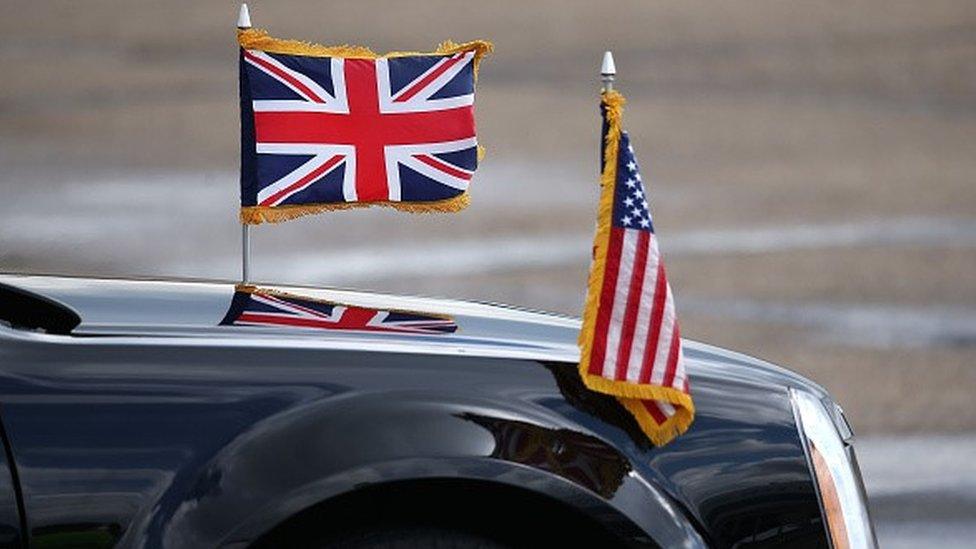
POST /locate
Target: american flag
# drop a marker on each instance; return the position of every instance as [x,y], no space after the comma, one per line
[631,342]
[255,307]
[334,131]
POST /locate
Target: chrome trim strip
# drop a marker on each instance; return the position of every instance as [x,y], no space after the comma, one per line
[798,421]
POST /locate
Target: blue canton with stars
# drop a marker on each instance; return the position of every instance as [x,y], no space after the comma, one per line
[630,208]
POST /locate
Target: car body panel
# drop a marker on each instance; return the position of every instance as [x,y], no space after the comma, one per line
[11,519]
[165,430]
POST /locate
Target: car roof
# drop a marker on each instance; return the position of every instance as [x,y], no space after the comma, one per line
[130,307]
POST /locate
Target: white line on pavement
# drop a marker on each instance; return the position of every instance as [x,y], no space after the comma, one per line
[479,255]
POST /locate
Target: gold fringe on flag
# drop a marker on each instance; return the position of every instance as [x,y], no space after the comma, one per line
[255,215]
[259,39]
[629,394]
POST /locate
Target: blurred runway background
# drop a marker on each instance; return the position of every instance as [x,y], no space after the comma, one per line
[811,166]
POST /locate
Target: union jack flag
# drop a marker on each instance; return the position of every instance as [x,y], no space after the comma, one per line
[630,342]
[333,132]
[255,307]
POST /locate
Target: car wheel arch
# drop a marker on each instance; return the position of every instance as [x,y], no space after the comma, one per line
[239,496]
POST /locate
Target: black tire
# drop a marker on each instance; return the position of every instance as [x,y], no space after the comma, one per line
[412,538]
[439,514]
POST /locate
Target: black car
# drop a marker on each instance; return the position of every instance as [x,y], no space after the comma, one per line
[142,413]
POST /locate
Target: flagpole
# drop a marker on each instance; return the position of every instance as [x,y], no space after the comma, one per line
[608,71]
[244,22]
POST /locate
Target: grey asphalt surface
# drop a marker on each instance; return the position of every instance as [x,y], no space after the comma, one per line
[922,489]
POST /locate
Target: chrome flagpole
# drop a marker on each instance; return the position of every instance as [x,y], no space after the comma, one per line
[608,71]
[244,22]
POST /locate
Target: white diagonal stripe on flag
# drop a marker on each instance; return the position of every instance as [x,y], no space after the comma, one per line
[437,66]
[321,154]
[289,181]
[434,173]
[422,101]
[262,61]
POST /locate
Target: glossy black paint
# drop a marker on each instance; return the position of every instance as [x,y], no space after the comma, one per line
[11,513]
[190,441]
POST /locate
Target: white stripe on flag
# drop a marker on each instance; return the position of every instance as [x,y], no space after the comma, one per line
[666,408]
[296,105]
[627,252]
[664,340]
[643,313]
[679,371]
[308,167]
[312,85]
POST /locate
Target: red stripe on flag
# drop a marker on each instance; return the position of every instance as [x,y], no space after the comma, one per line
[633,305]
[655,411]
[284,76]
[610,271]
[415,89]
[313,175]
[654,331]
[442,166]
[364,127]
[672,356]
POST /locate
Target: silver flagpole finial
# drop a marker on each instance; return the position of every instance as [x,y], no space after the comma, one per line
[244,17]
[608,70]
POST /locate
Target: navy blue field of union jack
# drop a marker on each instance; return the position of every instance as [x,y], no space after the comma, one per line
[333,130]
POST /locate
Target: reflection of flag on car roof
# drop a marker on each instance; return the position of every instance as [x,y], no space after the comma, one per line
[255,307]
[630,342]
[326,128]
